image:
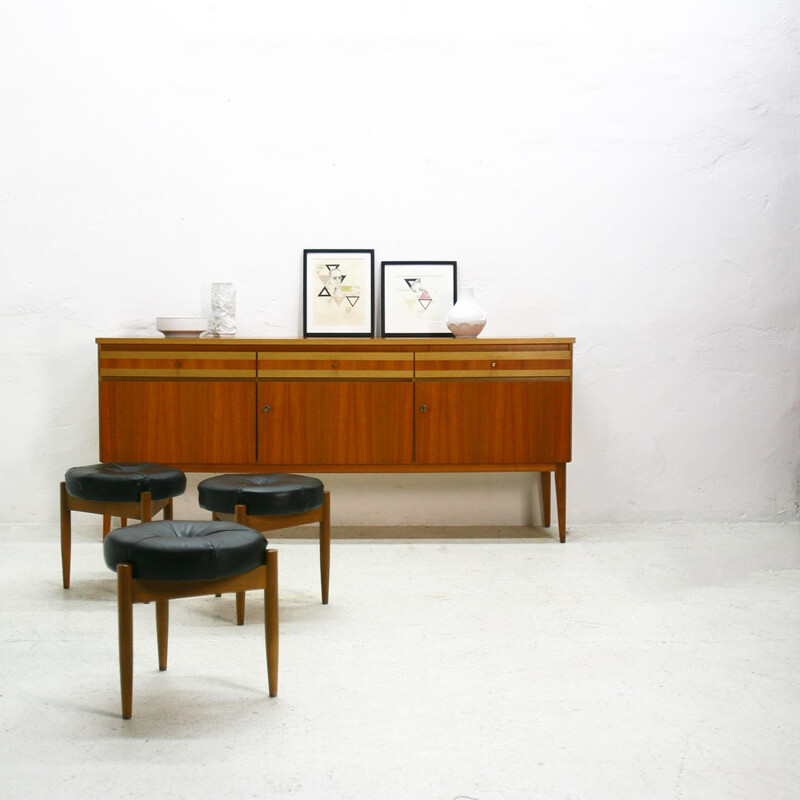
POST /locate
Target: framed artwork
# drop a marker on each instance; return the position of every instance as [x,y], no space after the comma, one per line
[416,297]
[338,292]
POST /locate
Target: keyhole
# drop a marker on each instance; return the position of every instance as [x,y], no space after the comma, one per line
[266,409]
[423,408]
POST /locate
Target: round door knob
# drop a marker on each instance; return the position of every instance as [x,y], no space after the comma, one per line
[423,408]
[266,408]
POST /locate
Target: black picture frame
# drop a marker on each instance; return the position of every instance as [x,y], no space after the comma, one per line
[416,297]
[338,292]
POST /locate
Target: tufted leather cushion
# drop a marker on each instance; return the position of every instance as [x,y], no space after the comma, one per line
[174,550]
[263,495]
[124,482]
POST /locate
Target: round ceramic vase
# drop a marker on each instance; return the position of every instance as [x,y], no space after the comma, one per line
[466,318]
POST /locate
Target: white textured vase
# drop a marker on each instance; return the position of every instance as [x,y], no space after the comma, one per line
[466,318]
[223,309]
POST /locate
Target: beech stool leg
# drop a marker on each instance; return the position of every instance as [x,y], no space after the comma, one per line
[240,608]
[146,506]
[66,535]
[325,546]
[271,620]
[240,516]
[162,631]
[125,615]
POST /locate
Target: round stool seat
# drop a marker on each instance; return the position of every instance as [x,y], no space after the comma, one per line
[263,495]
[176,550]
[124,482]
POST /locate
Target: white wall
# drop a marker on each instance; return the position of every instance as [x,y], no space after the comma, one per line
[625,173]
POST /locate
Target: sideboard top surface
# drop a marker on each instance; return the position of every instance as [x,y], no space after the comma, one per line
[322,343]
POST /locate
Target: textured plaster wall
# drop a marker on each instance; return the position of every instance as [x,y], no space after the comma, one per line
[625,173]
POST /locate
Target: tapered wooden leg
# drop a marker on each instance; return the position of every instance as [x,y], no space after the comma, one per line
[545,479]
[168,510]
[271,620]
[106,524]
[240,516]
[325,546]
[125,615]
[146,506]
[66,536]
[162,631]
[561,500]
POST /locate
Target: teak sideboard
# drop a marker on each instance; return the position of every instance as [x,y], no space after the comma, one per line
[341,405]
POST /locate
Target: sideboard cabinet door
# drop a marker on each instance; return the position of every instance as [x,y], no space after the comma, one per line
[493,422]
[335,423]
[499,406]
[351,407]
[176,402]
[178,422]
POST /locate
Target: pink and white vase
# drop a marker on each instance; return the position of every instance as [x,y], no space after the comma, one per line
[466,318]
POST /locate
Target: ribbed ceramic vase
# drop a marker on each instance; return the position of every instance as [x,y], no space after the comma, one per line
[223,310]
[466,318]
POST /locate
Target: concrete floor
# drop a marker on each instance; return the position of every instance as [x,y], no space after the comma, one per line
[646,661]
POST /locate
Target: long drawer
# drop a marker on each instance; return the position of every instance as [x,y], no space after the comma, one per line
[494,364]
[176,364]
[335,365]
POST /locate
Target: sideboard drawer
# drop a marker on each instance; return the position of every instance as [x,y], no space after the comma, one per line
[494,364]
[335,365]
[176,364]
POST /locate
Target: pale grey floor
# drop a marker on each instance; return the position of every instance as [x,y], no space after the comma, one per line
[632,662]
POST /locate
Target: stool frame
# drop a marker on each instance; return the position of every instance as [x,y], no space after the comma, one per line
[273,522]
[144,511]
[131,590]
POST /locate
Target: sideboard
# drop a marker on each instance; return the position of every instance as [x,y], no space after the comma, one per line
[341,405]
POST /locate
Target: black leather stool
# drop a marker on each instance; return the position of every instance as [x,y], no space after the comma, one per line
[164,560]
[127,491]
[270,502]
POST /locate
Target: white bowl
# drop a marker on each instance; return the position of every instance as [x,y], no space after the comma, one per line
[184,327]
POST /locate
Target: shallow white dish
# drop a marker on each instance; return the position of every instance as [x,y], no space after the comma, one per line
[183,327]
